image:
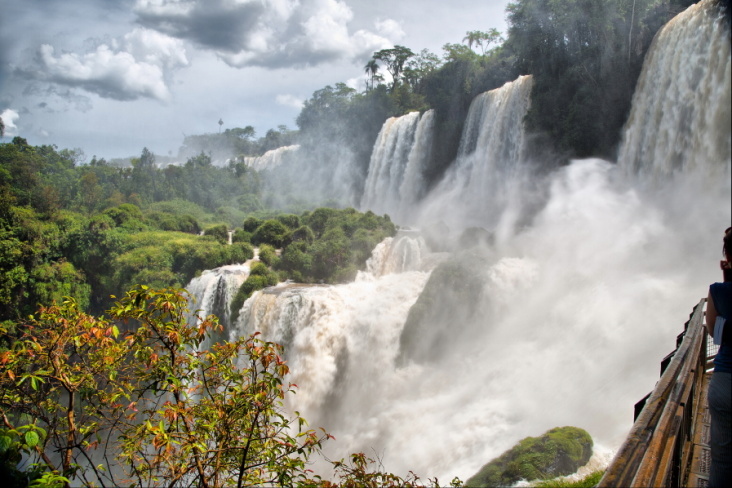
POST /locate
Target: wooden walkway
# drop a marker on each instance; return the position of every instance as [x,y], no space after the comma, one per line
[668,445]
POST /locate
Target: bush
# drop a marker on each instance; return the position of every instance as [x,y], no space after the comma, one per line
[251,224]
[289,220]
[240,235]
[239,252]
[268,255]
[271,232]
[219,232]
[303,233]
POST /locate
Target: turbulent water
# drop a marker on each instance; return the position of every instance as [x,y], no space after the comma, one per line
[575,310]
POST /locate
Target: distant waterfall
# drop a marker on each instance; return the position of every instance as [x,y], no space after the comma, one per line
[270,159]
[680,120]
[395,179]
[487,174]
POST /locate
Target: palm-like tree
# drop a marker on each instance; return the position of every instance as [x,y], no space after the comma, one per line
[371,68]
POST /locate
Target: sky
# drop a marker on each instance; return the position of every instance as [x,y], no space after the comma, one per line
[111,77]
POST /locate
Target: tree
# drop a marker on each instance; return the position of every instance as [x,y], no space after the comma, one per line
[169,411]
[483,39]
[371,69]
[394,60]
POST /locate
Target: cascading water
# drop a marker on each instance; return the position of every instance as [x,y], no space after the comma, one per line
[271,159]
[395,177]
[680,118]
[214,290]
[331,333]
[567,319]
[488,176]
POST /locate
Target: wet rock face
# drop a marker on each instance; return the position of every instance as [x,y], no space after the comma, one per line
[559,452]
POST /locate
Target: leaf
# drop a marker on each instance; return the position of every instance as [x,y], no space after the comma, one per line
[115,331]
[31,438]
[5,443]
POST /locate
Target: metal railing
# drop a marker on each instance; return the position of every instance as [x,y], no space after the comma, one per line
[658,449]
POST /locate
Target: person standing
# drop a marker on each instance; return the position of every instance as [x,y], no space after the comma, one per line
[719,327]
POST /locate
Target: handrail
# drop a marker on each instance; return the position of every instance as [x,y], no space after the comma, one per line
[657,449]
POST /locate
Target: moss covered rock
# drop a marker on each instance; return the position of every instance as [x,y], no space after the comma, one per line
[559,452]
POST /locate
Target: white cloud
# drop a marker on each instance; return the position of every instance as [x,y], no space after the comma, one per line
[272,34]
[390,29]
[152,47]
[9,117]
[289,101]
[137,65]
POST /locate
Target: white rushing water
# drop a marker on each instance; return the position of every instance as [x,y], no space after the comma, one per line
[395,181]
[570,315]
[488,181]
[680,118]
[271,159]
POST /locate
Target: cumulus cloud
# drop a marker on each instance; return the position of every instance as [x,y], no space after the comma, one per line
[272,33]
[138,65]
[289,101]
[9,117]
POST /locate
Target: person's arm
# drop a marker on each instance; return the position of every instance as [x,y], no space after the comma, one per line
[711,315]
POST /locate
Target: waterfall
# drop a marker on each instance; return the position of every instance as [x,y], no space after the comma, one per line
[337,336]
[488,174]
[270,159]
[680,120]
[213,291]
[395,176]
[562,321]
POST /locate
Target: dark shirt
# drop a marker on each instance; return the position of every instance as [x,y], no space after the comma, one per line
[722,296]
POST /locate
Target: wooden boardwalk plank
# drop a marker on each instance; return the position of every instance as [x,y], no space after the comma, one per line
[698,475]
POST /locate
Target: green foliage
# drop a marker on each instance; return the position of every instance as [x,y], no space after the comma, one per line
[267,255]
[271,232]
[260,277]
[167,411]
[240,235]
[558,452]
[333,244]
[218,232]
[251,224]
[585,56]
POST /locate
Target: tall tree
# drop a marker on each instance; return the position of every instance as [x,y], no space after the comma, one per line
[394,60]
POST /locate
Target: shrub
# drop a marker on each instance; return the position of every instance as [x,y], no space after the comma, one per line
[271,232]
[219,232]
[268,255]
[251,223]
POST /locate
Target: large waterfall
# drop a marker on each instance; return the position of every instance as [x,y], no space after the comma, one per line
[680,118]
[395,182]
[568,317]
[487,181]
